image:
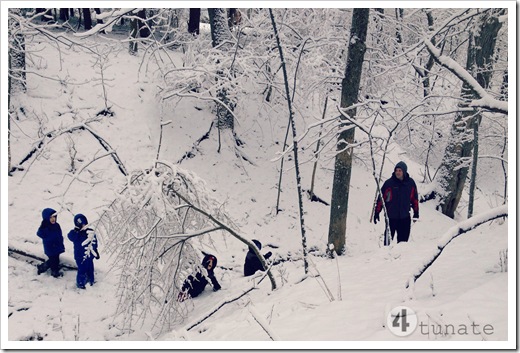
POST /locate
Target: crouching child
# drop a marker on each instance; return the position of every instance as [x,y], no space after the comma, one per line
[194,285]
[252,263]
[85,250]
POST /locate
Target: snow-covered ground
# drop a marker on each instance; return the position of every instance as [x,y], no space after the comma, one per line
[343,303]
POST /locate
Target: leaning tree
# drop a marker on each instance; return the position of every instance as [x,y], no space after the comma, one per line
[155,232]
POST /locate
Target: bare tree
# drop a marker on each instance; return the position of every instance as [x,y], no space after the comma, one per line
[221,39]
[295,144]
[87,19]
[343,163]
[455,165]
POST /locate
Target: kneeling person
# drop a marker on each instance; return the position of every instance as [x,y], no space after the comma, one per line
[193,286]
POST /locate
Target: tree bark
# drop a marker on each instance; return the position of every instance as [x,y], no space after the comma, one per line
[220,34]
[98,12]
[194,22]
[343,163]
[474,164]
[87,19]
[134,30]
[64,15]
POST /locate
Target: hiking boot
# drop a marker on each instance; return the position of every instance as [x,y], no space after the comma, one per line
[57,274]
[82,287]
[41,268]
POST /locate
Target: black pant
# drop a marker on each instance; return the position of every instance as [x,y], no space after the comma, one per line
[53,263]
[402,227]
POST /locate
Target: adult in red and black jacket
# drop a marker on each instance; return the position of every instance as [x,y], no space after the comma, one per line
[400,194]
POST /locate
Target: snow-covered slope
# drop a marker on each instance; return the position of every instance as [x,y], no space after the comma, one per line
[341,300]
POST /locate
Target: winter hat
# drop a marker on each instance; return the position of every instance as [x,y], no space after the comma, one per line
[80,220]
[258,245]
[48,213]
[403,167]
[206,259]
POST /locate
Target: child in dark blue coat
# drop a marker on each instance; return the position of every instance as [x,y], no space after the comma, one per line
[50,232]
[85,250]
[252,263]
[193,286]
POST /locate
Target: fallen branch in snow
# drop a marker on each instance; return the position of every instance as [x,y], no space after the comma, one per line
[232,232]
[263,324]
[454,232]
[42,143]
[228,301]
[195,147]
[18,254]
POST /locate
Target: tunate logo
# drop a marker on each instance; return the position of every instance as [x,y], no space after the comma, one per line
[401,321]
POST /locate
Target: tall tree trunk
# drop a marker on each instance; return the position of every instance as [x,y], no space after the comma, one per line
[16,81]
[220,34]
[144,31]
[455,164]
[134,30]
[295,144]
[473,179]
[87,19]
[64,15]
[16,62]
[343,164]
[98,12]
[194,22]
[431,60]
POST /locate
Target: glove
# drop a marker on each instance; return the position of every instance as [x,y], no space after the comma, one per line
[268,255]
[376,218]
[97,255]
[415,217]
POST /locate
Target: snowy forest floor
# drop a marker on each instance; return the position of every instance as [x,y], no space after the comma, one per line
[465,286]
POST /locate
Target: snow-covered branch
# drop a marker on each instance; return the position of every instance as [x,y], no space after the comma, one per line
[486,101]
[454,232]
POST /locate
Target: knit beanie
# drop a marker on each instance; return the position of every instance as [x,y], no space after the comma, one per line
[403,167]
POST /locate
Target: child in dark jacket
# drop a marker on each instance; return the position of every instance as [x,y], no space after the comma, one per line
[253,263]
[193,286]
[85,250]
[50,232]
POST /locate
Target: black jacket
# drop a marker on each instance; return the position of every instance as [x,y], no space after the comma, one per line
[399,196]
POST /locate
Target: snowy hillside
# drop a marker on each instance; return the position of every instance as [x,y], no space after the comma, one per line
[342,303]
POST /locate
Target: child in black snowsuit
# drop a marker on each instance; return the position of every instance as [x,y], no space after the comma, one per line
[253,263]
[50,232]
[193,286]
[85,250]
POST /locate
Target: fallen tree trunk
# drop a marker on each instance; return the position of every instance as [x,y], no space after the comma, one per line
[33,259]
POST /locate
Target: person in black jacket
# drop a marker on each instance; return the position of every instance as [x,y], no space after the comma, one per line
[253,263]
[193,286]
[400,194]
[50,232]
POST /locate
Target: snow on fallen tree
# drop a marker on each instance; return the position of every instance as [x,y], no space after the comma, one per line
[154,233]
[453,233]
